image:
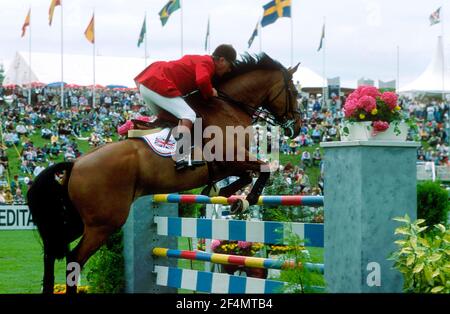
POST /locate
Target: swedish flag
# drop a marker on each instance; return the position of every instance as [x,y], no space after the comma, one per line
[275,9]
[168,9]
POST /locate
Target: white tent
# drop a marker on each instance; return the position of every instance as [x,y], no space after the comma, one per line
[432,79]
[78,69]
[307,78]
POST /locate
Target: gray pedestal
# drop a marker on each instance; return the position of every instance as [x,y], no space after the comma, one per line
[366,184]
[140,238]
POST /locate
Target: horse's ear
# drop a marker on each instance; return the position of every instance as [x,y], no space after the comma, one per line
[294,69]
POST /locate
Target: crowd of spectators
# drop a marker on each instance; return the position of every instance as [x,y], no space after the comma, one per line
[61,131]
[45,132]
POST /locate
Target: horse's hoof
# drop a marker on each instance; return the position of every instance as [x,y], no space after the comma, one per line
[239,206]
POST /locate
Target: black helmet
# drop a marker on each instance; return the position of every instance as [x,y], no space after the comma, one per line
[226,51]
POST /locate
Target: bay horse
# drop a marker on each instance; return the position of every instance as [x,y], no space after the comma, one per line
[91,196]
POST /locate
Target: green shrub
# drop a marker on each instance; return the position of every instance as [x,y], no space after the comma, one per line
[432,203]
[107,273]
[423,258]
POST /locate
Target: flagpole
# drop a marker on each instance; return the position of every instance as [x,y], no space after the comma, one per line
[93,53]
[29,60]
[260,36]
[181,19]
[398,68]
[292,37]
[62,57]
[443,54]
[145,39]
[323,60]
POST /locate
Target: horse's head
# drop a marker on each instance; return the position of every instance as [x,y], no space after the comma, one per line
[282,102]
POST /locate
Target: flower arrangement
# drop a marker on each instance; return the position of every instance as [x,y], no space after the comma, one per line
[61,289]
[283,249]
[243,248]
[367,103]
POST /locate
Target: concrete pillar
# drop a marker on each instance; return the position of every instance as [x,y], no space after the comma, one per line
[366,184]
[139,239]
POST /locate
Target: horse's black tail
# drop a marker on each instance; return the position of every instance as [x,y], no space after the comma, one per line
[57,220]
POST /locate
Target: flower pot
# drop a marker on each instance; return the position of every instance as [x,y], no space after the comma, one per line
[363,131]
[357,131]
[389,134]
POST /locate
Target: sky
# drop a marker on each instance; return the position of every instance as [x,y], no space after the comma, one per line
[361,36]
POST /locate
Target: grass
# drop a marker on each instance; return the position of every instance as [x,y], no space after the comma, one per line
[21,262]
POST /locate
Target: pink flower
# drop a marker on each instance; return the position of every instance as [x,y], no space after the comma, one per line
[390,99]
[350,107]
[380,126]
[244,244]
[353,96]
[214,244]
[368,91]
[367,103]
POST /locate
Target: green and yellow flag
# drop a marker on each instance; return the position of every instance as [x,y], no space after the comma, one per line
[167,10]
[142,34]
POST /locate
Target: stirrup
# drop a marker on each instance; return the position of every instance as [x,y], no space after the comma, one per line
[187,162]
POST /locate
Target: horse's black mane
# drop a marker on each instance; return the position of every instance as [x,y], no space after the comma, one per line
[251,63]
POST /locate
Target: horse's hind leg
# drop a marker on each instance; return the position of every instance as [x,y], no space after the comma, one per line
[91,240]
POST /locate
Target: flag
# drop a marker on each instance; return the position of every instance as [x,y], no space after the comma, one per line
[321,37]
[167,10]
[26,23]
[435,17]
[89,32]
[142,34]
[275,9]
[207,35]
[52,9]
[254,34]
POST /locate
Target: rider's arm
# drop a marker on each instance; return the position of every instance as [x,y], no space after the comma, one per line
[203,75]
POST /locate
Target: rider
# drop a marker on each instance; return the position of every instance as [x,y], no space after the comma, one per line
[163,83]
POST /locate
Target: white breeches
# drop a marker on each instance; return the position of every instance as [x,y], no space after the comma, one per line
[176,105]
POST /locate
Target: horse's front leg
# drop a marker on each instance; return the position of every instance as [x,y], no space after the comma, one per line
[263,169]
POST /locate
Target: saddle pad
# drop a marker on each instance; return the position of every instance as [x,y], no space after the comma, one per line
[157,142]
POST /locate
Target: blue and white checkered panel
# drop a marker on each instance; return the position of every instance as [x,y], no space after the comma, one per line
[213,282]
[270,232]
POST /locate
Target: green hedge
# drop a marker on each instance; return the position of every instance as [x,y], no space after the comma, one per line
[432,203]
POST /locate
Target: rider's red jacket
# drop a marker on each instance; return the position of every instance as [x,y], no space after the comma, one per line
[179,77]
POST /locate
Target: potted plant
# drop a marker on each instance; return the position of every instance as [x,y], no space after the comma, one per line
[373,115]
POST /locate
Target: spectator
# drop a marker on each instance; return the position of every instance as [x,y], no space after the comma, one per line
[317,157]
[306,159]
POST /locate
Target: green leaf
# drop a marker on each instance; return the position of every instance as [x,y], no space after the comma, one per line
[435,257]
[410,260]
[418,268]
[422,229]
[428,275]
[437,289]
[436,273]
[402,219]
[400,242]
[419,221]
[440,227]
[402,230]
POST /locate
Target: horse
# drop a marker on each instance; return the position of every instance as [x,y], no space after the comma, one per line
[91,196]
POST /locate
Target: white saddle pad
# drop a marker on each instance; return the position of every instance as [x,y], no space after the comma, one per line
[157,142]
